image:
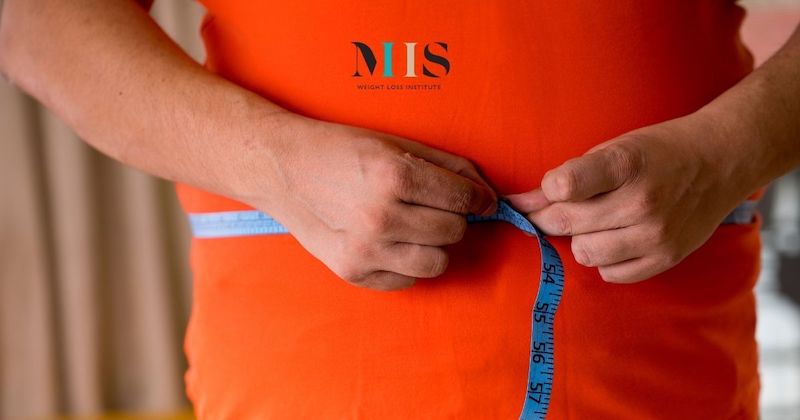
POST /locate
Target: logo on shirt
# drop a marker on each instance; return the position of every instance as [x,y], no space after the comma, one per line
[431,66]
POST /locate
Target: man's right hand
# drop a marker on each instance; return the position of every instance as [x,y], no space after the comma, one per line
[375,208]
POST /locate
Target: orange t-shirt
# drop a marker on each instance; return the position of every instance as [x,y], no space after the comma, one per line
[520,86]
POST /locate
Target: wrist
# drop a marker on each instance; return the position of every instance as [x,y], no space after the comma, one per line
[267,144]
[730,155]
[755,126]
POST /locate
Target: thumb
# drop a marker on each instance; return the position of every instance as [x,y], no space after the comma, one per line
[600,170]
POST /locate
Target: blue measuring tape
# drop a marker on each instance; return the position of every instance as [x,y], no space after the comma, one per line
[551,287]
[551,283]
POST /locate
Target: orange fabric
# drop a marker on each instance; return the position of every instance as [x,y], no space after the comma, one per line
[275,334]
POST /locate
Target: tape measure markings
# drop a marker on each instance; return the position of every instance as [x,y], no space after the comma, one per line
[548,297]
[551,282]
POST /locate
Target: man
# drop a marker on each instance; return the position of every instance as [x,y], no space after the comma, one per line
[530,91]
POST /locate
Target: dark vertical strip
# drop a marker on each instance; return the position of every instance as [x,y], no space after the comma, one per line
[34,122]
[176,267]
[102,179]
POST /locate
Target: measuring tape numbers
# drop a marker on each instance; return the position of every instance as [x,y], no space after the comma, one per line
[551,283]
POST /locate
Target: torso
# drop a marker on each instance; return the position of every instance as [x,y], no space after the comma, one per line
[275,334]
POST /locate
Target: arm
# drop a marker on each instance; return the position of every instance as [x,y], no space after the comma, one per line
[357,197]
[637,205]
[108,70]
[762,117]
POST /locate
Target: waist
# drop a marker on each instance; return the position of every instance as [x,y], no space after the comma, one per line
[262,307]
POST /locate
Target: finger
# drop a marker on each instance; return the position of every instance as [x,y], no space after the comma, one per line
[424,183]
[610,247]
[426,226]
[604,212]
[593,173]
[530,201]
[634,270]
[377,279]
[413,260]
[451,162]
[386,281]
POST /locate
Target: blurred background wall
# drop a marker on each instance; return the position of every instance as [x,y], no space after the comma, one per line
[95,291]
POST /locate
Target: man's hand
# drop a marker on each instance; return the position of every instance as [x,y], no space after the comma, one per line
[374,208]
[638,204]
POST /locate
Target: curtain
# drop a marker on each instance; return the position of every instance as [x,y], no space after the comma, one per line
[94,284]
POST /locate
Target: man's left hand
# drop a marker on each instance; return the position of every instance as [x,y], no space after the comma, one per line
[637,205]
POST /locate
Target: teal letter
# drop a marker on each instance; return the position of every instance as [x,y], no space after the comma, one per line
[387,59]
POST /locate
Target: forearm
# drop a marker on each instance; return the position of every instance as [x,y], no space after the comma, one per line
[759,121]
[107,69]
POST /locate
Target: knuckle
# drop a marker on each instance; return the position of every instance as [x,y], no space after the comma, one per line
[398,174]
[563,183]
[649,201]
[640,207]
[560,221]
[669,258]
[361,251]
[461,196]
[349,265]
[382,166]
[456,230]
[582,252]
[377,222]
[438,263]
[388,281]
[375,281]
[372,281]
[348,272]
[659,233]
[628,158]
